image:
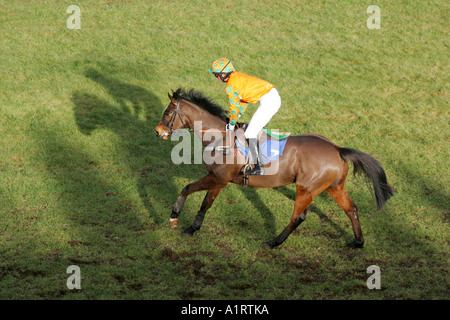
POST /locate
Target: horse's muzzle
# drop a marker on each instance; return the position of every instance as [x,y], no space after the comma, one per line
[161,133]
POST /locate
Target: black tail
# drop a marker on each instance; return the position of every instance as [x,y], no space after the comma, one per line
[362,162]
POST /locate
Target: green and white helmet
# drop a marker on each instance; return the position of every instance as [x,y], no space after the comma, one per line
[222,65]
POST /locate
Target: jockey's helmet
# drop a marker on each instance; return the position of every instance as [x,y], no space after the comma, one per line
[222,65]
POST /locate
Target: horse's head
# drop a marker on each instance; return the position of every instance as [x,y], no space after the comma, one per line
[171,120]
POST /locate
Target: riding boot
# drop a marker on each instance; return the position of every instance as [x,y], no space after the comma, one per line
[258,169]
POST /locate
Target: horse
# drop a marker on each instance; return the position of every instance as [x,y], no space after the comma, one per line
[311,161]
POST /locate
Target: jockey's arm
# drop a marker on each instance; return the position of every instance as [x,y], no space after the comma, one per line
[237,107]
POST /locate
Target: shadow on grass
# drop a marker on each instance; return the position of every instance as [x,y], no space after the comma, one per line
[430,194]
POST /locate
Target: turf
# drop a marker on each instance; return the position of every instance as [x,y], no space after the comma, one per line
[84,181]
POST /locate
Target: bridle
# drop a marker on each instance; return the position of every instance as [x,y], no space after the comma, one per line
[175,113]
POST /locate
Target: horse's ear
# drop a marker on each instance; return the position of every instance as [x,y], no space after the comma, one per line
[171,97]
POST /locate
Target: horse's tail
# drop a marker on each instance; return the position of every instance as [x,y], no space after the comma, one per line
[363,162]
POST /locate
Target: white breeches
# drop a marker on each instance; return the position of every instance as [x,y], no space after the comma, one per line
[269,104]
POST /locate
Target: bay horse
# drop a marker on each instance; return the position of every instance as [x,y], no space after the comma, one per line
[312,162]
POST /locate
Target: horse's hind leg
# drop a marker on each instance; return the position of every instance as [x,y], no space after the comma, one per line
[204,183]
[343,200]
[302,201]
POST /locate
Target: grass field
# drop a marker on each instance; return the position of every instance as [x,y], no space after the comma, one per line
[84,181]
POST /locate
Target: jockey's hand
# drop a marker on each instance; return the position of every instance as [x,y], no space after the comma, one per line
[229,127]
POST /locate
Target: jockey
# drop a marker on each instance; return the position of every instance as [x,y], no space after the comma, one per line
[242,89]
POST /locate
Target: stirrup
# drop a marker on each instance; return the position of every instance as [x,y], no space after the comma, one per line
[225,150]
[258,170]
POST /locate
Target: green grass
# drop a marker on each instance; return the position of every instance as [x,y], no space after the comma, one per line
[84,181]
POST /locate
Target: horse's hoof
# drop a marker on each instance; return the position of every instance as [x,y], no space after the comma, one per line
[266,246]
[173,223]
[189,232]
[355,245]
[186,234]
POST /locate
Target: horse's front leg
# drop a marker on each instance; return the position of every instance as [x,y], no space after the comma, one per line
[204,183]
[207,203]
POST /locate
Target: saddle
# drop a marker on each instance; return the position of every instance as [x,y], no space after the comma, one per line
[270,143]
[263,135]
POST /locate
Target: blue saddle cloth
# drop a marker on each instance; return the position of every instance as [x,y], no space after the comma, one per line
[270,150]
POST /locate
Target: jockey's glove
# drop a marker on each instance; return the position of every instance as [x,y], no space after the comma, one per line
[229,127]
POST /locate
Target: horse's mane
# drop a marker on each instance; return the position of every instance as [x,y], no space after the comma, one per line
[203,102]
